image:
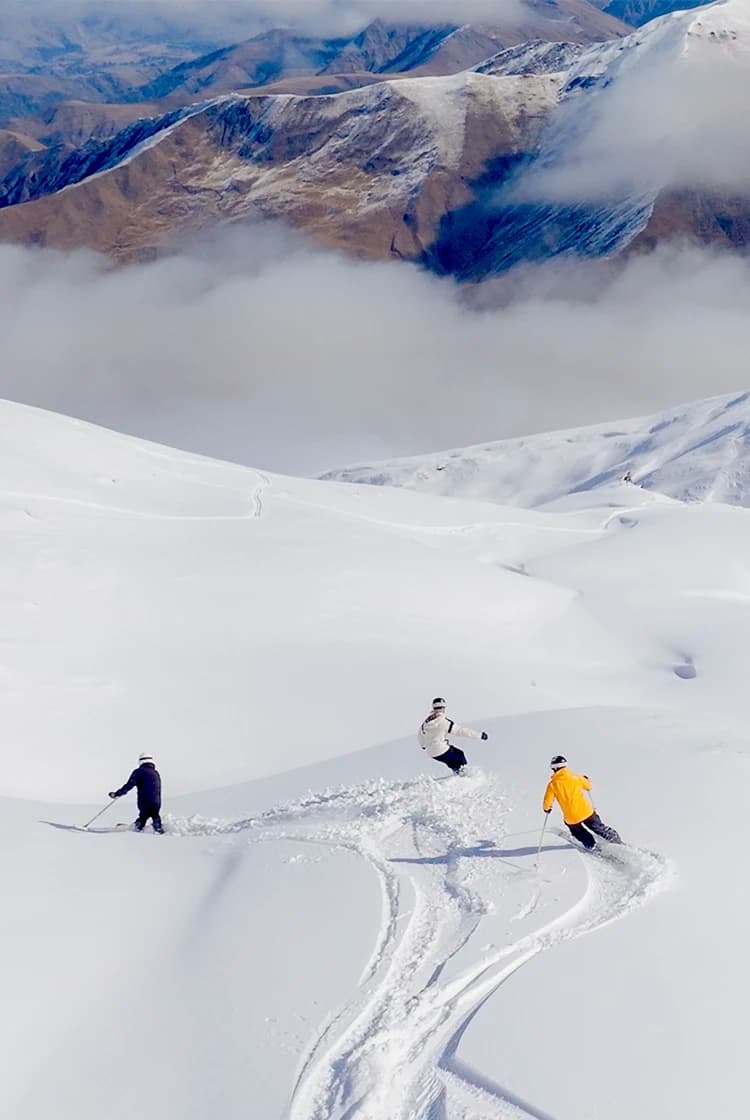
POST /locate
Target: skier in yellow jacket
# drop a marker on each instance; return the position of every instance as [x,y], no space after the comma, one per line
[570,791]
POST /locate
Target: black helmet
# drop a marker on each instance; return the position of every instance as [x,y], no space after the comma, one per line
[438,704]
[558,762]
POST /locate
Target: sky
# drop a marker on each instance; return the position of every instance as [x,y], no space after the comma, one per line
[270,352]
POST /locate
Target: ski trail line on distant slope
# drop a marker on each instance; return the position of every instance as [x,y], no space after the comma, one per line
[254,514]
[390,1053]
[263,484]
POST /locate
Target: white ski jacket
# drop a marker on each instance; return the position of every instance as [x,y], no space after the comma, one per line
[434,733]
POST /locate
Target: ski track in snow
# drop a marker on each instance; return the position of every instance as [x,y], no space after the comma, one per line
[254,514]
[436,847]
[263,483]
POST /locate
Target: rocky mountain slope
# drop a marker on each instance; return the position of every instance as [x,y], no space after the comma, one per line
[14,148]
[638,12]
[176,55]
[373,170]
[542,149]
[50,54]
[641,149]
[72,86]
[279,55]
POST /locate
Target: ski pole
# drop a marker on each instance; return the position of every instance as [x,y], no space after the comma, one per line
[541,840]
[104,810]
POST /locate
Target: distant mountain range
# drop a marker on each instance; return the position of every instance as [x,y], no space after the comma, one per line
[98,62]
[53,54]
[292,63]
[638,12]
[399,141]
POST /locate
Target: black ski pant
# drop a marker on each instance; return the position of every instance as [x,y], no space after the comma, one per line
[150,812]
[453,758]
[594,823]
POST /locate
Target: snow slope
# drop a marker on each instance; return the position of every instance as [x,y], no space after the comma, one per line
[211,603]
[361,936]
[699,451]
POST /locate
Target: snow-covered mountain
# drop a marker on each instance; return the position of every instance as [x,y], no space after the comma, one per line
[541,150]
[700,451]
[374,169]
[638,12]
[356,937]
[642,147]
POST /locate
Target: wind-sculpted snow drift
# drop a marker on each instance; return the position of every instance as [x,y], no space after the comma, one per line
[448,868]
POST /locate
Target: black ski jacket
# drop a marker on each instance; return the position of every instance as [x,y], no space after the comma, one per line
[147,781]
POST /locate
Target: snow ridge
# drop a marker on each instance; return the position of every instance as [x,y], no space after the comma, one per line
[695,452]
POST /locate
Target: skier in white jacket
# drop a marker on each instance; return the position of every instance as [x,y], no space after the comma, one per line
[434,738]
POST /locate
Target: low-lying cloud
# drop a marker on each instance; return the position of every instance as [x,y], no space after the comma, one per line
[345,16]
[264,350]
[219,18]
[670,114]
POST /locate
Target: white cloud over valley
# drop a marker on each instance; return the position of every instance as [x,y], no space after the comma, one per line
[262,349]
[350,15]
[247,16]
[670,114]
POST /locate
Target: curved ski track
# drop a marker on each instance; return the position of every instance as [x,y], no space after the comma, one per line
[437,849]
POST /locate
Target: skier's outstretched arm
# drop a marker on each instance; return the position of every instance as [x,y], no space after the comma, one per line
[549,798]
[130,784]
[585,781]
[465,732]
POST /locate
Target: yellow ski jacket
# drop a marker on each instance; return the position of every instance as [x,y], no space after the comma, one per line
[568,789]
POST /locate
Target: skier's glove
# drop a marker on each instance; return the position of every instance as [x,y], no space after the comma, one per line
[484,735]
[548,810]
[111,795]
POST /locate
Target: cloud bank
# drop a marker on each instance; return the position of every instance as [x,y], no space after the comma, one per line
[218,17]
[263,350]
[346,16]
[670,114]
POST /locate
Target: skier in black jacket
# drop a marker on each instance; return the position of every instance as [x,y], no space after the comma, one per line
[147,781]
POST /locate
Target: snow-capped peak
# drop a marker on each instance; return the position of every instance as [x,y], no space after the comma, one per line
[695,34]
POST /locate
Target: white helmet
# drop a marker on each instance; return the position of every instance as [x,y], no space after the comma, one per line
[145,758]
